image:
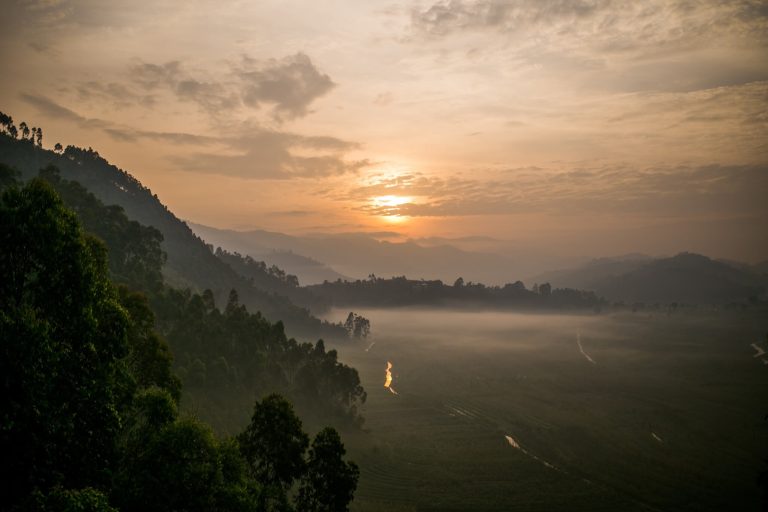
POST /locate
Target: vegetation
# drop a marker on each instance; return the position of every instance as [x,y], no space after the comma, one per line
[189,262]
[357,326]
[91,417]
[272,279]
[226,358]
[400,291]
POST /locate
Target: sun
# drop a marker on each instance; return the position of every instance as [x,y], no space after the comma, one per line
[388,207]
[391,201]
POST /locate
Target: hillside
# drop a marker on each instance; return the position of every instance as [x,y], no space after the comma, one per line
[190,263]
[271,248]
[589,275]
[685,278]
[358,255]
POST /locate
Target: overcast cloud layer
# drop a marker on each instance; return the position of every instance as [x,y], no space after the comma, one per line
[540,122]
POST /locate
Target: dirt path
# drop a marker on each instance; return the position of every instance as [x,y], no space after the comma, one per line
[581,349]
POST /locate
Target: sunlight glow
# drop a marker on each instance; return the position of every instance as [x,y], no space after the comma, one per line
[395,219]
[390,201]
[388,207]
[388,379]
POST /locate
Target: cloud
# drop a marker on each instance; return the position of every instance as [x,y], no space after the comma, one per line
[213,97]
[449,16]
[259,154]
[292,213]
[663,45]
[290,84]
[602,22]
[264,154]
[664,191]
[118,94]
[53,110]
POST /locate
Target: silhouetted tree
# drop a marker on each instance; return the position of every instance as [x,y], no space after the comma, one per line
[6,125]
[329,482]
[64,335]
[357,326]
[24,130]
[273,444]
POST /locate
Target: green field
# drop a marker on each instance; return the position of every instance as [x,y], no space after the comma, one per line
[669,416]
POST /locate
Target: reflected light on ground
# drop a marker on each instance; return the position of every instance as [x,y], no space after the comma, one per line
[388,379]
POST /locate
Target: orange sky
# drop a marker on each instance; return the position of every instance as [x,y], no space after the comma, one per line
[587,128]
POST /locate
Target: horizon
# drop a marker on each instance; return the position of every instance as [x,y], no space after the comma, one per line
[580,130]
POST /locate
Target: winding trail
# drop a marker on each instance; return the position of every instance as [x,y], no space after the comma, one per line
[516,445]
[581,349]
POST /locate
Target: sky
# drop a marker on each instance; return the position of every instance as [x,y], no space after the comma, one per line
[582,128]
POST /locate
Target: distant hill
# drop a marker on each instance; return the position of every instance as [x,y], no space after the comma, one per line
[190,262]
[684,278]
[270,248]
[590,275]
[358,255]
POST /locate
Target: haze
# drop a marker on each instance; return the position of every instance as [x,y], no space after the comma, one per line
[579,128]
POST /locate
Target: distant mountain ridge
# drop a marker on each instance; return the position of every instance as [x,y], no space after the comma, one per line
[272,248]
[684,278]
[358,255]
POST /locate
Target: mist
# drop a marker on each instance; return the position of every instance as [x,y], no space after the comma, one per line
[572,411]
[344,256]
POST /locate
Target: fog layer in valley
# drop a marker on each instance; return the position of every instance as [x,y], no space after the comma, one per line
[504,411]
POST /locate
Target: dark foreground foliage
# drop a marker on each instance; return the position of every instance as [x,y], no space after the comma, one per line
[226,357]
[90,418]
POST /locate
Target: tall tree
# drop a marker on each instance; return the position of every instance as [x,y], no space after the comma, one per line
[63,338]
[273,444]
[329,482]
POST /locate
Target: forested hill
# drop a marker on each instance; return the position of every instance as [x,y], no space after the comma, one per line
[400,291]
[190,262]
[91,417]
[684,278]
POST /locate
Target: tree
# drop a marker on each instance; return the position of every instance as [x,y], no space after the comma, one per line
[149,358]
[273,444]
[38,135]
[64,339]
[68,500]
[58,148]
[329,482]
[357,326]
[177,468]
[545,289]
[6,124]
[8,176]
[458,283]
[24,130]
